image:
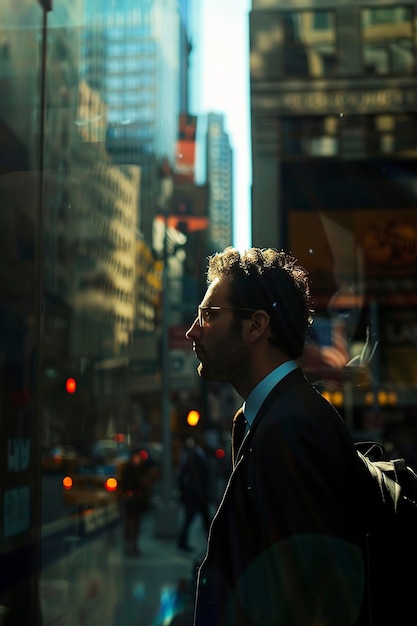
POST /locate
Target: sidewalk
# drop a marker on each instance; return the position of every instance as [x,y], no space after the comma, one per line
[158,585]
[88,581]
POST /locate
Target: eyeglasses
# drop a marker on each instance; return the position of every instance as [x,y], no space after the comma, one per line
[203,313]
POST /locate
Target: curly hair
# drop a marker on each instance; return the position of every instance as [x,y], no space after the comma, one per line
[268,279]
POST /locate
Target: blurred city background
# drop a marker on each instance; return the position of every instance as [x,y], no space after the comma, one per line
[136,138]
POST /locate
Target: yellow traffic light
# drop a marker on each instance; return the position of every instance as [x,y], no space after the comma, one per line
[193,417]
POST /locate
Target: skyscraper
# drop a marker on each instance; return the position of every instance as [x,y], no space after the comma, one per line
[134,63]
[219,166]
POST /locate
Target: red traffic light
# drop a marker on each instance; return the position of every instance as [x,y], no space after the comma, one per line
[70,385]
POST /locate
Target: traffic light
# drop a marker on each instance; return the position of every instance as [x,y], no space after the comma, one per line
[193,417]
[70,385]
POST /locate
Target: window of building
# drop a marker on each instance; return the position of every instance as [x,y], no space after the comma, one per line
[393,134]
[309,43]
[294,44]
[309,137]
[389,40]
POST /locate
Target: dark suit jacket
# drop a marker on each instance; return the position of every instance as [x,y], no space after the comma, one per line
[284,547]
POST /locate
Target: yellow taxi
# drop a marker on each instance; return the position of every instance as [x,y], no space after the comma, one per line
[92,483]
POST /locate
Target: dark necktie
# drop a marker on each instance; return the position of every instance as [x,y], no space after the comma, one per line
[238,433]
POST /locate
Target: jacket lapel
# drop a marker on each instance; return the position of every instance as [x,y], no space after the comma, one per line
[294,377]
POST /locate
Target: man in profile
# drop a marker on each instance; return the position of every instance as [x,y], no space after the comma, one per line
[285,546]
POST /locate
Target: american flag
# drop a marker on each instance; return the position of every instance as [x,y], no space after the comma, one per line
[328,345]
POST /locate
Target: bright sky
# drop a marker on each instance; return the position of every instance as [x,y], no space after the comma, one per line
[221,85]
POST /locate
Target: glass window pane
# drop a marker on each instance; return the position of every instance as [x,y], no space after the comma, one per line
[136,139]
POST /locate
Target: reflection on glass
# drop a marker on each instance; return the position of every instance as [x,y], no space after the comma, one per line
[100,208]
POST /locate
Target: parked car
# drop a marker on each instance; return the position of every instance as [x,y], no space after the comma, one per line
[60,458]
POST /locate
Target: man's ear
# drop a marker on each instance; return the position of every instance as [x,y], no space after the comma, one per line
[259,324]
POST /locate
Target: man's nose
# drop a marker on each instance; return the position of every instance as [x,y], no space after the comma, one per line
[194,326]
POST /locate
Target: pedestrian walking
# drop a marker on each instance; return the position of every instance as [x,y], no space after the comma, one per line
[136,486]
[194,488]
[285,546]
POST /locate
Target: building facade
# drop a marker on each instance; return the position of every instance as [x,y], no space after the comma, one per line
[333,95]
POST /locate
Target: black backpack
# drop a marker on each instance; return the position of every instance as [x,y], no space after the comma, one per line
[390,525]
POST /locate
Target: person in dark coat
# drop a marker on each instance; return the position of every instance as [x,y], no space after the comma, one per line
[194,487]
[285,547]
[136,486]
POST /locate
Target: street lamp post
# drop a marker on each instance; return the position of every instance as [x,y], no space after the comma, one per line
[166,521]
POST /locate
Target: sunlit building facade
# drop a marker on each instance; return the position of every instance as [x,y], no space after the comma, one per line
[130,53]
